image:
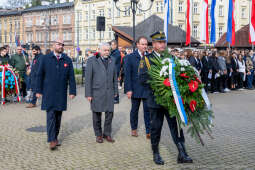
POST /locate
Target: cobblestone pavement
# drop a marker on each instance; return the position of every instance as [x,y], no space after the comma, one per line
[23,148]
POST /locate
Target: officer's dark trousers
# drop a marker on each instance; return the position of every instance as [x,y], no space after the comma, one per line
[157,119]
[53,124]
[134,114]
[107,124]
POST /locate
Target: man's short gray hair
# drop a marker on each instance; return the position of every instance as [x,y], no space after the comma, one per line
[102,44]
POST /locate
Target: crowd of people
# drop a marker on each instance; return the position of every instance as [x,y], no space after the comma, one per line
[221,70]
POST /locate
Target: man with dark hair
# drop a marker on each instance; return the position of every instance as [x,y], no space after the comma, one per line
[115,53]
[134,89]
[4,59]
[55,73]
[158,112]
[36,53]
[7,47]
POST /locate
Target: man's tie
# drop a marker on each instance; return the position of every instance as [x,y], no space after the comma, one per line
[58,57]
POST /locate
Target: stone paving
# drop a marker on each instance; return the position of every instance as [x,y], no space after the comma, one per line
[23,148]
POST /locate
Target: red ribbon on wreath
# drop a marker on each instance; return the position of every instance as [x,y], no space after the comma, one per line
[193,85]
[192,105]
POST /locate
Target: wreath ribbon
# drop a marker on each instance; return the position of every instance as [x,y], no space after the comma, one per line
[175,90]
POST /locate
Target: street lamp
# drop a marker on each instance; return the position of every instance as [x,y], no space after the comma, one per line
[134,6]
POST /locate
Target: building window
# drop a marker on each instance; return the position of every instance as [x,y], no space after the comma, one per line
[87,15]
[180,7]
[64,35]
[93,15]
[195,31]
[28,23]
[38,20]
[101,35]
[86,34]
[109,13]
[159,7]
[220,31]
[221,11]
[118,13]
[67,19]
[243,13]
[195,8]
[54,20]
[127,13]
[101,12]
[93,35]
[110,33]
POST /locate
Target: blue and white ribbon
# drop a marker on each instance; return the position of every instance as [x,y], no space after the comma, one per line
[175,90]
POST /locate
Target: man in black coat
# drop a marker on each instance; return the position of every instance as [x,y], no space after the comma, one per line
[158,112]
[134,89]
[36,51]
[115,53]
[55,72]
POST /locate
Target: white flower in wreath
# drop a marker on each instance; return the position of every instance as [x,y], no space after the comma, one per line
[163,71]
[182,69]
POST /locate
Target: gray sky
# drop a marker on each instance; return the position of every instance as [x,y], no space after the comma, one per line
[2,2]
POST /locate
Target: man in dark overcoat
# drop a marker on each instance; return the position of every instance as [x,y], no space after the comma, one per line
[55,73]
[101,86]
[115,53]
[36,51]
[134,89]
[158,112]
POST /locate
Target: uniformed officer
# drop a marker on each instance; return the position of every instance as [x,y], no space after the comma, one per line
[158,112]
[55,72]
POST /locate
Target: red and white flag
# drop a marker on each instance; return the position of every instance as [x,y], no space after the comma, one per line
[188,20]
[204,23]
[252,23]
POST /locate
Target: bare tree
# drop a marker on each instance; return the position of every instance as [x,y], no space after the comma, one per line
[17,3]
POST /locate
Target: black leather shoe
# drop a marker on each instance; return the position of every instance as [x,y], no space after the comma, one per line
[157,159]
[183,156]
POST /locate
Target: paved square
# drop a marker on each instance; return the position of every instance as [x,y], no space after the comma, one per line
[23,138]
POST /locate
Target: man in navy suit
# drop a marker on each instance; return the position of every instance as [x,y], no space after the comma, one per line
[133,88]
[55,73]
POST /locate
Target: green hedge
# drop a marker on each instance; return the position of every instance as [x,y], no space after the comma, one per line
[77,71]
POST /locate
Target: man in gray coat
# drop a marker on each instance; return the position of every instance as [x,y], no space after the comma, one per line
[101,86]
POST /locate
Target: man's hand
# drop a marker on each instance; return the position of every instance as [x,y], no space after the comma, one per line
[71,96]
[89,99]
[38,95]
[129,94]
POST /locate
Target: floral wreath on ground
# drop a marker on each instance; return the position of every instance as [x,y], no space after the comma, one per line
[170,77]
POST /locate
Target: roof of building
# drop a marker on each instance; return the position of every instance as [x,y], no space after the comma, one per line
[241,38]
[37,8]
[153,24]
[48,7]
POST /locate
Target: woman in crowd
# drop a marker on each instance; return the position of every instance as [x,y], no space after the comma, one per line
[235,71]
[241,71]
[229,71]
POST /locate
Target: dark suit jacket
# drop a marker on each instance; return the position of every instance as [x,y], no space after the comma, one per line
[117,58]
[132,82]
[144,77]
[234,65]
[34,69]
[206,66]
[53,77]
[195,63]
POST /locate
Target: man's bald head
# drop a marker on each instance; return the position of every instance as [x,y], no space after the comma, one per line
[59,46]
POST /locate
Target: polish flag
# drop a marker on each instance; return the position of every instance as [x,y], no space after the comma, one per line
[252,23]
[204,22]
[188,19]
